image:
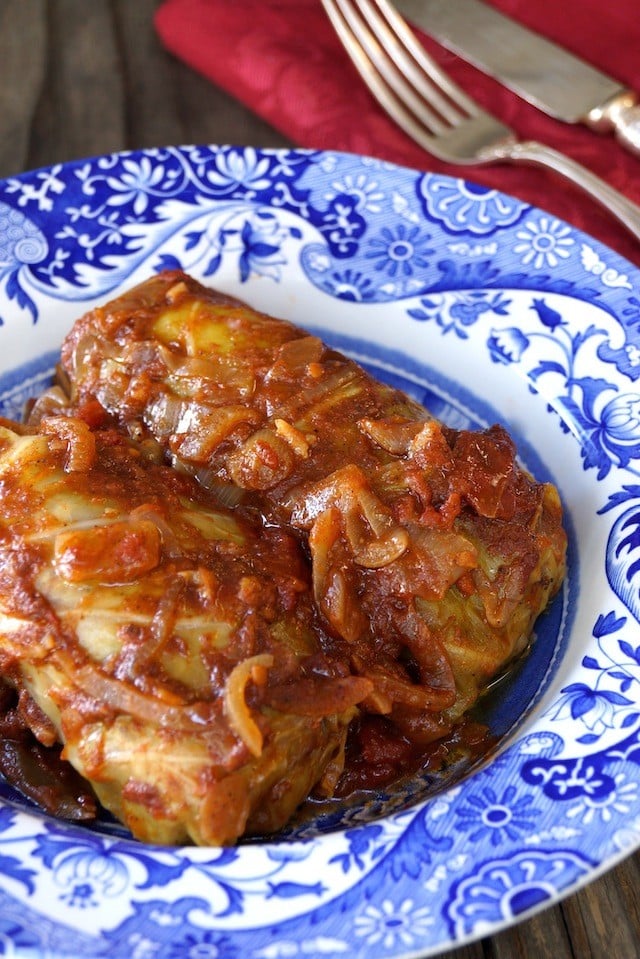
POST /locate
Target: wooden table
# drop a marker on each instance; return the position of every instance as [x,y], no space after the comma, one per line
[86,77]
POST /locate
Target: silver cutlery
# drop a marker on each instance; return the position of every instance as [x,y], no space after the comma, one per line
[550,77]
[420,97]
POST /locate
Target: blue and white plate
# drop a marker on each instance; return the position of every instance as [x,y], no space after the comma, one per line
[488,310]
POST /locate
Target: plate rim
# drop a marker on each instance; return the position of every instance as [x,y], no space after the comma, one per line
[613,262]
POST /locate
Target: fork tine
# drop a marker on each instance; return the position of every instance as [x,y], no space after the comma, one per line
[446,131]
[381,75]
[398,31]
[414,100]
[385,47]
[410,62]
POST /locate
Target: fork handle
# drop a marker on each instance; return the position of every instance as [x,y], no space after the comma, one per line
[623,209]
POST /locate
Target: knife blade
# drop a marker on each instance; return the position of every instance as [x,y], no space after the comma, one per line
[536,69]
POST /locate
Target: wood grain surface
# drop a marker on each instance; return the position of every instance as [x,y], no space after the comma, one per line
[85,77]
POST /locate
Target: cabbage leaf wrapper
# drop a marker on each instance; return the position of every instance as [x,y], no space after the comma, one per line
[432,551]
[170,645]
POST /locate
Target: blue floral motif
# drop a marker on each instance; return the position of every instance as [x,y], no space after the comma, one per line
[115,200]
[607,427]
[236,169]
[365,190]
[393,925]
[601,809]
[597,708]
[251,238]
[261,252]
[623,551]
[507,345]
[502,889]
[138,181]
[348,284]
[610,700]
[87,876]
[457,313]
[462,206]
[621,417]
[595,782]
[202,944]
[549,317]
[497,817]
[543,241]
[404,249]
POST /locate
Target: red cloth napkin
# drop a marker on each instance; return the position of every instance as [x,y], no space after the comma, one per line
[283,60]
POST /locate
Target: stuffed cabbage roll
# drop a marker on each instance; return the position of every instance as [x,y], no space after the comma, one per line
[432,551]
[171,646]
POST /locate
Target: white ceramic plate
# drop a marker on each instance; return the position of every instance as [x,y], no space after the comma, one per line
[485,308]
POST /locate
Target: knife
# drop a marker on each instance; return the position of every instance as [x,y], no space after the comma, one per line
[541,72]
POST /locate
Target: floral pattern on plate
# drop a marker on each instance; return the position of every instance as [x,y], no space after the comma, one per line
[482,307]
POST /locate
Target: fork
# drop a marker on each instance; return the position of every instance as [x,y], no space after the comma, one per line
[440,116]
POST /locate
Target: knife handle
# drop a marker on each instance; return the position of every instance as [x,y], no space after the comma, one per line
[620,115]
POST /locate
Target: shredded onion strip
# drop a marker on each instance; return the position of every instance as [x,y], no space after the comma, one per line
[235,704]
